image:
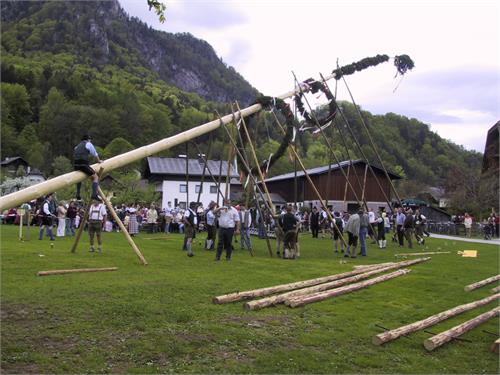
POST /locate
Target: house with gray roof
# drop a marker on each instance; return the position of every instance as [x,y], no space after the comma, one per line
[180,182]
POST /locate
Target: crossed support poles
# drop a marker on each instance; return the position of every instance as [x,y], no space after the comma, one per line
[118,221]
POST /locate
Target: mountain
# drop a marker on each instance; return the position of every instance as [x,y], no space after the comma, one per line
[100,33]
[74,67]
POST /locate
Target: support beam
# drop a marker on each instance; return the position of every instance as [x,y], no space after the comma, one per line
[81,227]
[366,266]
[495,290]
[122,227]
[393,334]
[316,297]
[495,347]
[76,270]
[424,253]
[448,335]
[481,283]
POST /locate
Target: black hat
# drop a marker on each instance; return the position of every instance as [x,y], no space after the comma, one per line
[86,137]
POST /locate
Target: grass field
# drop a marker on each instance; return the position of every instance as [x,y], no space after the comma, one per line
[160,318]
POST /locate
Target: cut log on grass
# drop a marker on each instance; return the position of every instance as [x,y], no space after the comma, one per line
[393,334]
[316,297]
[448,335]
[495,290]
[481,283]
[280,298]
[418,254]
[365,266]
[76,270]
[496,346]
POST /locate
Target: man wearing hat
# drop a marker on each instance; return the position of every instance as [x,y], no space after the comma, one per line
[46,218]
[81,163]
[229,223]
[97,217]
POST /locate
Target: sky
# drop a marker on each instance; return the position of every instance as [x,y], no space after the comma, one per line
[454,87]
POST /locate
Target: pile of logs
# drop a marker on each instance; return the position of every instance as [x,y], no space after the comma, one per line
[442,338]
[313,290]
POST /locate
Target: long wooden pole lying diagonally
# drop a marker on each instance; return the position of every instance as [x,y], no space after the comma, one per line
[320,296]
[393,334]
[68,179]
[76,270]
[495,290]
[481,283]
[280,298]
[448,335]
[122,227]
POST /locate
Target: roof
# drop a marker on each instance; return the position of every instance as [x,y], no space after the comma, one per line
[177,166]
[320,170]
[275,198]
[8,160]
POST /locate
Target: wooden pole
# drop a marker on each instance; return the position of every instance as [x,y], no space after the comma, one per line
[217,183]
[495,290]
[448,335]
[495,347]
[346,184]
[274,300]
[122,227]
[424,253]
[393,334]
[76,270]
[364,183]
[481,283]
[365,266]
[81,227]
[21,227]
[187,177]
[68,179]
[316,297]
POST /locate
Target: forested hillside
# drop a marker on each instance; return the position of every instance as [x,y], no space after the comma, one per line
[72,67]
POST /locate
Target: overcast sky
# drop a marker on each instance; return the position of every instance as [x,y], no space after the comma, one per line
[454,87]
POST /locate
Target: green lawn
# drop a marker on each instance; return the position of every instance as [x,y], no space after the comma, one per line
[160,318]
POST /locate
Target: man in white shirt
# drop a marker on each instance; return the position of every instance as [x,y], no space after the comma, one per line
[229,223]
[97,217]
[46,217]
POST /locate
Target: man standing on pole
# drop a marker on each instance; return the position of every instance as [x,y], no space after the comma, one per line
[229,223]
[81,163]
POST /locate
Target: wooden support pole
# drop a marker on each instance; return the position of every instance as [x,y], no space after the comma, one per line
[122,227]
[393,334]
[81,227]
[364,183]
[448,335]
[346,184]
[274,300]
[76,270]
[481,283]
[424,253]
[496,346]
[495,290]
[316,297]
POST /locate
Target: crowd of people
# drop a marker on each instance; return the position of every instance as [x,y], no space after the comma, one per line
[347,231]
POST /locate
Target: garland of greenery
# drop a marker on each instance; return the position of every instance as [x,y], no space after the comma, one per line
[403,63]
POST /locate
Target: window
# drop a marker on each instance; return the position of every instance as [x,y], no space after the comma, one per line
[213,189]
[183,188]
[198,188]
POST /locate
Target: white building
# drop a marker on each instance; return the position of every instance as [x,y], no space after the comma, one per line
[169,177]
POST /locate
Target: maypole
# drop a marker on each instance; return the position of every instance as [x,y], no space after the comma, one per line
[15,199]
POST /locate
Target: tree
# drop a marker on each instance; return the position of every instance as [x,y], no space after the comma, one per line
[159,9]
[61,165]
[16,99]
